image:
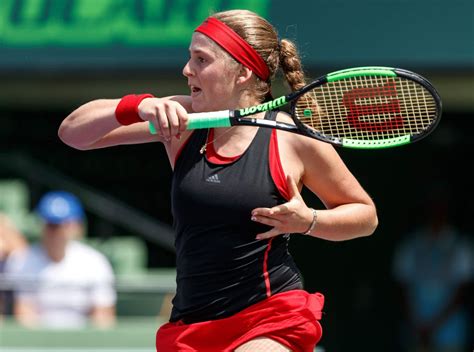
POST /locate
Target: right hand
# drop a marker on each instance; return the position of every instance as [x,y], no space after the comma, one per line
[168,117]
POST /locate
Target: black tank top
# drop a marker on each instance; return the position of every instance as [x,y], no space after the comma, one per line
[221,267]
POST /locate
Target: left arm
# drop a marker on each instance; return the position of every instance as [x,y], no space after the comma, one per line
[349,213]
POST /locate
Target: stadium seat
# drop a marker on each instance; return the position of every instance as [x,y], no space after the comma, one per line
[15,203]
[128,255]
[146,294]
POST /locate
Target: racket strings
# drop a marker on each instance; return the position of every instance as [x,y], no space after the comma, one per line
[368,108]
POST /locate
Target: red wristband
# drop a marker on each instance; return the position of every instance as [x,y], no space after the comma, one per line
[126,112]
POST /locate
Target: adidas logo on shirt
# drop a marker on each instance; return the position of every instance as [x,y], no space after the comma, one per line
[213,179]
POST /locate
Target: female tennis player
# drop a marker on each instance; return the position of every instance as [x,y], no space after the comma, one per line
[236,192]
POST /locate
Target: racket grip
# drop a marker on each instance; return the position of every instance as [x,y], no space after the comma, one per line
[209,120]
[151,128]
[201,120]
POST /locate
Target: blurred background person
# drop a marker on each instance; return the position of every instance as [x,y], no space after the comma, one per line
[434,270]
[61,282]
[11,241]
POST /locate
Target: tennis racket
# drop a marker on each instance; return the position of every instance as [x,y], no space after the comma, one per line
[362,107]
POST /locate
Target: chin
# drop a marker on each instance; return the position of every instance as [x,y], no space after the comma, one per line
[196,105]
[199,107]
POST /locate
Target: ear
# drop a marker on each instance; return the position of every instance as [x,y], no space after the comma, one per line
[244,75]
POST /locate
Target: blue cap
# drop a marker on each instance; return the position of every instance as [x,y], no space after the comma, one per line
[58,207]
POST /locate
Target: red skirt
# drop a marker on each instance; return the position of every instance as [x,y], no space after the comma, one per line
[291,318]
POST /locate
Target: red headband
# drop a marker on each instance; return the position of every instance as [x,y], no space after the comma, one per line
[235,45]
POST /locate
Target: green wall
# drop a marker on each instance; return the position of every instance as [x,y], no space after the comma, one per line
[111,34]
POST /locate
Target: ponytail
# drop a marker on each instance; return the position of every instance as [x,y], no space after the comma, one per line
[290,64]
[262,37]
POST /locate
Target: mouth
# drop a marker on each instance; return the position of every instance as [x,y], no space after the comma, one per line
[194,90]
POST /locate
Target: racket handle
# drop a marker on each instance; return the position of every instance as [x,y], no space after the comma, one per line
[209,120]
[203,120]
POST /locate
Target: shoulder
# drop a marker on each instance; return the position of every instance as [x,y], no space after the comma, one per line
[26,259]
[297,141]
[88,257]
[308,152]
[174,146]
[85,251]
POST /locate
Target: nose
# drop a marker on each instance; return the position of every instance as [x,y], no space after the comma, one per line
[187,71]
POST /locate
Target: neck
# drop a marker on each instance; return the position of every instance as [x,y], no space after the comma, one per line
[56,254]
[235,140]
[232,141]
[243,100]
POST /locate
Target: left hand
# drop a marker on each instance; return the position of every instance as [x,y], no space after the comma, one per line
[290,217]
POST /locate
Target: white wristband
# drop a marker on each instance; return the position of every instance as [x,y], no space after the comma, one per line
[313,223]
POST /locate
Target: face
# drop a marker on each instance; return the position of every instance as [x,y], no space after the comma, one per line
[212,76]
[57,236]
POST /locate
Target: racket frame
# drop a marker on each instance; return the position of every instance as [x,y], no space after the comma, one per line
[227,118]
[358,72]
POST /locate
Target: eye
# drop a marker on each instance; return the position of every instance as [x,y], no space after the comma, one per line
[201,59]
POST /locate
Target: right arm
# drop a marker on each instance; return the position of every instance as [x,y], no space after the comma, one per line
[93,125]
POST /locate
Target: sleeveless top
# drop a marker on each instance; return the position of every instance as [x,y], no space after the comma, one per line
[221,267]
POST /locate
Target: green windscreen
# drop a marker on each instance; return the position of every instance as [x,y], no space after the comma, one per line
[94,23]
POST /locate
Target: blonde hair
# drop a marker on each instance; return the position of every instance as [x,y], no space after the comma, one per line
[262,36]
